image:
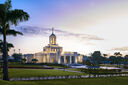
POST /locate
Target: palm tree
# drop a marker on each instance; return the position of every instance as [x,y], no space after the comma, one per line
[105,55]
[8,32]
[11,32]
[118,58]
[9,17]
[9,45]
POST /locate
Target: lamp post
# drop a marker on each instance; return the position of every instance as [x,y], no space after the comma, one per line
[19,51]
[14,50]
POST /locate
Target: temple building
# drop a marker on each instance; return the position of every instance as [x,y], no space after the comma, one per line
[53,53]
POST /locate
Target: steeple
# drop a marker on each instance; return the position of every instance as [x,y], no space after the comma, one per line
[52,38]
[52,30]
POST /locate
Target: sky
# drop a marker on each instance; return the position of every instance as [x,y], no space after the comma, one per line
[82,26]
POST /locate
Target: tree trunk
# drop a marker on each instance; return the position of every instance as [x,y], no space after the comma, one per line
[5,57]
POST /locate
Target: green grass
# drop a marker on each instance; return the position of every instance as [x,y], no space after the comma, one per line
[16,64]
[92,81]
[23,65]
[57,66]
[75,69]
[15,73]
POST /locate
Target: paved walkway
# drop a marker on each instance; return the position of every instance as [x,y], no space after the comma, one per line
[68,70]
[65,77]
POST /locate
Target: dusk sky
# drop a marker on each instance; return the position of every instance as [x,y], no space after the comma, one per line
[80,25]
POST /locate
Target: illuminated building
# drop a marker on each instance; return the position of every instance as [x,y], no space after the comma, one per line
[53,53]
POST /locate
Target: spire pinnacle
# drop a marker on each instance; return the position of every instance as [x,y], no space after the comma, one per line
[52,30]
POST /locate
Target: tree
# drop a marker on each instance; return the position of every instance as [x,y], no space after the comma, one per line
[34,60]
[105,55]
[97,57]
[112,59]
[117,54]
[89,63]
[8,32]
[11,32]
[96,54]
[9,17]
[24,60]
[17,57]
[9,45]
[126,59]
[119,58]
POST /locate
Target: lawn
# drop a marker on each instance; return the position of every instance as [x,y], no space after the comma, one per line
[92,81]
[23,65]
[75,69]
[57,66]
[16,73]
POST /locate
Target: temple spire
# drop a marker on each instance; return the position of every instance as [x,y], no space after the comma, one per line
[52,38]
[52,30]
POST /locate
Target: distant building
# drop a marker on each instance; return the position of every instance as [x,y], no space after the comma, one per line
[53,53]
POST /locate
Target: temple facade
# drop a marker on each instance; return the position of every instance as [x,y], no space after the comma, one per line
[53,53]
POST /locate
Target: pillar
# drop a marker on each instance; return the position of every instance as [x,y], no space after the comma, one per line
[59,57]
[48,58]
[75,55]
[64,59]
[70,59]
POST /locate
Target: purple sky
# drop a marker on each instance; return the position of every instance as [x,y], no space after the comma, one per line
[89,25]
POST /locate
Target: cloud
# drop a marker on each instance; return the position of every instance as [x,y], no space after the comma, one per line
[89,37]
[120,49]
[31,30]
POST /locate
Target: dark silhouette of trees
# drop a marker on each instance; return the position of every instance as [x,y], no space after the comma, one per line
[17,57]
[97,57]
[96,54]
[88,62]
[105,55]
[119,58]
[24,60]
[117,54]
[34,60]
[125,59]
[112,59]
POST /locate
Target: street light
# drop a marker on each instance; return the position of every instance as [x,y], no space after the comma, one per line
[19,51]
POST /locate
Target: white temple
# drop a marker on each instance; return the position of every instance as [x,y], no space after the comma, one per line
[53,53]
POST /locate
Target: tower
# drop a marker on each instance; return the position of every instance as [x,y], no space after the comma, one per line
[52,52]
[52,38]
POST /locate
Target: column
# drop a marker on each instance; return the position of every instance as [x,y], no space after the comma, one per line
[75,55]
[70,59]
[75,59]
[44,59]
[64,59]
[48,58]
[59,59]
